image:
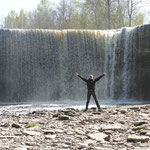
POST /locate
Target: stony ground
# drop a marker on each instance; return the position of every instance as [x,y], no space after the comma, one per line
[114,128]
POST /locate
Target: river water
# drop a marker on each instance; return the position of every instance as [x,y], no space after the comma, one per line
[23,108]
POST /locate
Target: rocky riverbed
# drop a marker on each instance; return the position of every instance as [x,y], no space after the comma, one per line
[114,128]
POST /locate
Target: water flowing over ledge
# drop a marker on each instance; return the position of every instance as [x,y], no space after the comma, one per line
[41,64]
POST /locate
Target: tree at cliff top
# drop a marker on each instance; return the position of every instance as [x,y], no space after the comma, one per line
[75,14]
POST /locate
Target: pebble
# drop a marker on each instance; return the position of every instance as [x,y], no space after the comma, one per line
[63,118]
[117,127]
[139,123]
[15,125]
[112,127]
[136,138]
[99,136]
[32,133]
[50,136]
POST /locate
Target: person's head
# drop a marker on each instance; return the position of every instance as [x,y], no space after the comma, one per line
[91,77]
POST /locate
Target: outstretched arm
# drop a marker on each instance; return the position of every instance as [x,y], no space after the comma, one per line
[81,77]
[100,77]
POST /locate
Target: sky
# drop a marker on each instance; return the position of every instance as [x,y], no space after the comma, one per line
[144,7]
[7,5]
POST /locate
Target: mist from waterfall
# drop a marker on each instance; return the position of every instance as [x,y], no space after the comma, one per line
[40,65]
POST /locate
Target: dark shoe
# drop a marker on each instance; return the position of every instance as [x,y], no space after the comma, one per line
[85,110]
[99,110]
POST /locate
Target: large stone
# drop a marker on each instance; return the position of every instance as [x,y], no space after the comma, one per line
[50,136]
[136,138]
[148,133]
[123,111]
[112,127]
[117,139]
[58,131]
[14,125]
[31,133]
[67,112]
[48,132]
[8,137]
[63,118]
[5,124]
[99,136]
[89,141]
[138,128]
[82,145]
[108,132]
[135,108]
[139,123]
[144,115]
[143,132]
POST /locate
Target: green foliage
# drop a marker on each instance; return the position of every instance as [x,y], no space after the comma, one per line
[74,14]
[75,131]
[106,117]
[141,127]
[44,5]
[138,20]
[33,125]
[14,20]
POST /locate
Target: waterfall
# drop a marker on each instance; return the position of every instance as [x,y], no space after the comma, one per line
[120,59]
[40,65]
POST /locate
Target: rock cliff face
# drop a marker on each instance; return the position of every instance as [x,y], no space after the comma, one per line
[143,63]
[41,64]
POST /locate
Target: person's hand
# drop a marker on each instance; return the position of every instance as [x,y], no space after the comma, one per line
[104,73]
[77,73]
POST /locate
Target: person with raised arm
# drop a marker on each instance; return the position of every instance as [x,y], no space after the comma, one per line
[91,89]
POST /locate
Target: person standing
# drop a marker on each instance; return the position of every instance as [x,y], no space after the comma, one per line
[91,89]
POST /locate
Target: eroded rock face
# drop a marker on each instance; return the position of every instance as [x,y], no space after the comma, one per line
[143,63]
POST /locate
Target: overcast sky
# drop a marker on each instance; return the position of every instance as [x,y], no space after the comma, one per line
[7,5]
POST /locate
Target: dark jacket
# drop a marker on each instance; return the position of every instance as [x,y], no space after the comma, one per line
[91,83]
